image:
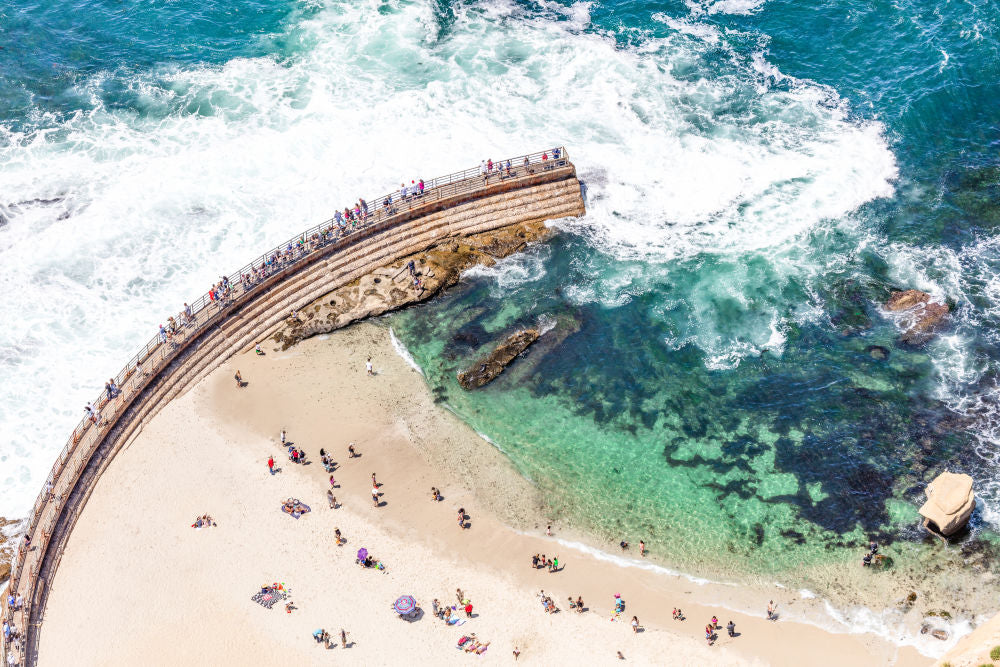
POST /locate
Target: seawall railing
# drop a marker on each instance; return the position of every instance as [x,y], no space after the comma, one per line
[378,215]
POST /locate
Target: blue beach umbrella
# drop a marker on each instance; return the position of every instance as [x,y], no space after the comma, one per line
[404,605]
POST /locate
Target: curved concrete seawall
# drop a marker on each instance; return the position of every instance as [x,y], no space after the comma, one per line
[323,259]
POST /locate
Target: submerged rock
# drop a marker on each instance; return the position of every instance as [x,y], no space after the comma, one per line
[923,315]
[877,352]
[950,501]
[485,370]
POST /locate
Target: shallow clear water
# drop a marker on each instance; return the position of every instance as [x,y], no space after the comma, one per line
[760,174]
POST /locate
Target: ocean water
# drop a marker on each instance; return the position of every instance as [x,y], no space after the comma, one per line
[759,173]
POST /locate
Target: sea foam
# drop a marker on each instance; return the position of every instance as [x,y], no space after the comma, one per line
[122,210]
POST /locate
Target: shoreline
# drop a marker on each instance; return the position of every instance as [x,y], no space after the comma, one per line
[417,445]
[900,624]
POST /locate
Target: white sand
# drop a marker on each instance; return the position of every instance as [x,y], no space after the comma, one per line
[138,585]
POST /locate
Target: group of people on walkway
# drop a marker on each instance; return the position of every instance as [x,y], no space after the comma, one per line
[12,640]
[505,169]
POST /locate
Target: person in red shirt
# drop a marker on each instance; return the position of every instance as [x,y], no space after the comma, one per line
[270,464]
[468,609]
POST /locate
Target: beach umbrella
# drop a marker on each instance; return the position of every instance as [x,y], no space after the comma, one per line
[362,553]
[404,605]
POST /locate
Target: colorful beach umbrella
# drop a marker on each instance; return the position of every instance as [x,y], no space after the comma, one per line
[405,605]
[362,553]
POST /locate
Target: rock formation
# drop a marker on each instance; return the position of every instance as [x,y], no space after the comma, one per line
[950,501]
[976,648]
[10,531]
[487,369]
[391,287]
[922,317]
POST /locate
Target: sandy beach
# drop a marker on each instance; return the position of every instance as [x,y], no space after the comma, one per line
[139,584]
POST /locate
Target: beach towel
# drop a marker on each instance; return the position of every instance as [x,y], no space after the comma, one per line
[298,510]
[268,600]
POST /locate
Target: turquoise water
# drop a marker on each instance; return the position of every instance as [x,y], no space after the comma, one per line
[760,174]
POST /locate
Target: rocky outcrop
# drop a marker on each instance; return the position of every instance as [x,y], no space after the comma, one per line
[487,369]
[393,286]
[922,316]
[974,649]
[10,531]
[950,501]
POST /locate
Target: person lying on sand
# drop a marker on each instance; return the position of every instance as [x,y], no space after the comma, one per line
[476,647]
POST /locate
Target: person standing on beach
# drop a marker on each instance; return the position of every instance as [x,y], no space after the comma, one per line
[239,380]
[331,498]
[516,653]
[642,548]
[374,483]
[369,368]
[336,535]
[350,451]
[343,638]
[770,610]
[731,628]
[333,482]
[548,531]
[375,495]
[282,437]
[270,464]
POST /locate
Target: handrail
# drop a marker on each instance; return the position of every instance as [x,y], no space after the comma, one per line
[250,278]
